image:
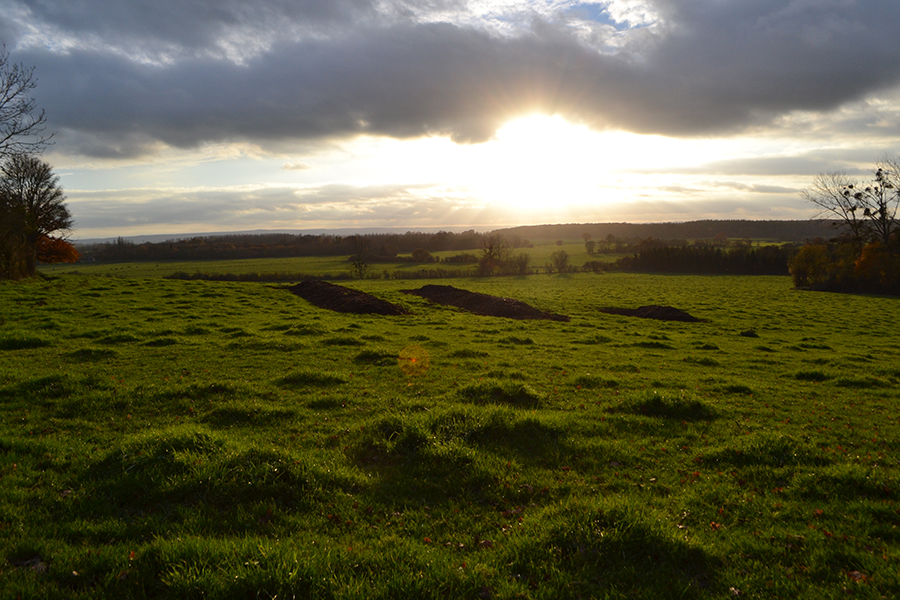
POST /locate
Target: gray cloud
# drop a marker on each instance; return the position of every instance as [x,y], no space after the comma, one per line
[170,72]
[270,207]
[856,161]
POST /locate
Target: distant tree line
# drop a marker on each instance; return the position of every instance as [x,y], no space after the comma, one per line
[372,247]
[708,259]
[775,231]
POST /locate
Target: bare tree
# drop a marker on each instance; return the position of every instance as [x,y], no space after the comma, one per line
[32,205]
[494,253]
[868,211]
[22,126]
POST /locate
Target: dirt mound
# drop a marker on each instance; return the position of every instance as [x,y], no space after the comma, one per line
[341,299]
[482,304]
[662,313]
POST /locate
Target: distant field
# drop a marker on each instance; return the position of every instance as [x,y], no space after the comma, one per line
[193,439]
[313,265]
[333,266]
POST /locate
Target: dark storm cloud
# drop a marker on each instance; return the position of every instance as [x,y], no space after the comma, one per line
[335,69]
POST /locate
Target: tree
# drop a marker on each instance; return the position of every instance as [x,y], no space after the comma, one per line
[32,206]
[421,255]
[21,125]
[494,253]
[559,261]
[589,244]
[521,262]
[867,211]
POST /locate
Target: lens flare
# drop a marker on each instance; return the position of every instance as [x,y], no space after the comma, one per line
[413,360]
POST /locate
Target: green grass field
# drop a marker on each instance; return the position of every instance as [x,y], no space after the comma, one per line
[193,439]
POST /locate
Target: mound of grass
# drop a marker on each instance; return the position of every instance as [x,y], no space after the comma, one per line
[50,387]
[738,388]
[861,383]
[92,354]
[767,450]
[518,341]
[243,416]
[304,330]
[186,466]
[343,341]
[666,406]
[635,550]
[311,379]
[469,353]
[594,382]
[703,362]
[203,392]
[380,358]
[812,376]
[22,341]
[653,345]
[594,340]
[161,342]
[508,433]
[119,338]
[500,392]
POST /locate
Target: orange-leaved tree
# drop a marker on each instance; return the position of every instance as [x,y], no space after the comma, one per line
[56,250]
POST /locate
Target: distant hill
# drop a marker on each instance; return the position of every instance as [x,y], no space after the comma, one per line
[776,231]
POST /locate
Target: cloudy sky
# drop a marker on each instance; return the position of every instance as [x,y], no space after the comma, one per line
[175,116]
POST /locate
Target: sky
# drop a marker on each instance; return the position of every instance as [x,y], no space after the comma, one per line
[179,116]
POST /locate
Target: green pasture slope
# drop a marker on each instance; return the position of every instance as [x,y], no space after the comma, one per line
[192,439]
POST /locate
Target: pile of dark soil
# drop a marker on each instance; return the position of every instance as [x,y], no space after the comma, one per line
[341,299]
[482,304]
[661,313]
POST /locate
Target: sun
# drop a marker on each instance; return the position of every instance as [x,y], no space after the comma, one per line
[546,163]
[537,160]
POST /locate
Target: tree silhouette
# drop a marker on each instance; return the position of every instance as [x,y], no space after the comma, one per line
[867,211]
[32,206]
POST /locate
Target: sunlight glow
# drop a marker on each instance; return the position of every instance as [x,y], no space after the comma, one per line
[545,162]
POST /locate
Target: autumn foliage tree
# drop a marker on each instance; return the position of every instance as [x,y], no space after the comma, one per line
[52,250]
[32,209]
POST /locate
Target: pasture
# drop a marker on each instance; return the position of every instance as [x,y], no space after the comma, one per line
[195,439]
